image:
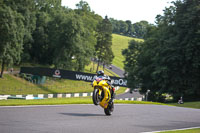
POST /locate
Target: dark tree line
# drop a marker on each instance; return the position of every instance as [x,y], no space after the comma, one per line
[168,62]
[44,32]
[126,28]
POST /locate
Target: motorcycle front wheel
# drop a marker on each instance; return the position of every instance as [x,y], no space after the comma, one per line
[95,97]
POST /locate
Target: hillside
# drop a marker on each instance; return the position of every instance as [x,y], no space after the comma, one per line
[14,85]
[11,84]
[119,43]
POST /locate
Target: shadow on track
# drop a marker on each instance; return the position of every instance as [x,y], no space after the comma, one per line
[81,114]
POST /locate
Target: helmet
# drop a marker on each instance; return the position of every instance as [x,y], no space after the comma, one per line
[100,73]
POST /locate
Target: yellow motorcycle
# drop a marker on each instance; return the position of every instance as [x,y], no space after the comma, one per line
[103,94]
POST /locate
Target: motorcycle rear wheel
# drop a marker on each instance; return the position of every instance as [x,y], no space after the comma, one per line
[109,109]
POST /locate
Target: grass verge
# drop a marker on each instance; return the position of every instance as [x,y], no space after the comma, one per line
[195,105]
[50,101]
[57,101]
[121,90]
[137,102]
[14,85]
[196,130]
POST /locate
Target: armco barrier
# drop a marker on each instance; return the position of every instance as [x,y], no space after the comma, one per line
[66,95]
[42,96]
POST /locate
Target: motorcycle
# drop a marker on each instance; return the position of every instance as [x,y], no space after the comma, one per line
[103,94]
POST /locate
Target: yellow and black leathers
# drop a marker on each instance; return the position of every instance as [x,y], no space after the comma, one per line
[103,85]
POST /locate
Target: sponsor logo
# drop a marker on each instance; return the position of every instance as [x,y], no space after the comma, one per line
[85,77]
[116,82]
[57,74]
[120,82]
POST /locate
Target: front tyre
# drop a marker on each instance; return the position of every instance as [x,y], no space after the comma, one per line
[96,97]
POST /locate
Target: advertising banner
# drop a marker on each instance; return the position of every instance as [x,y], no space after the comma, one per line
[66,74]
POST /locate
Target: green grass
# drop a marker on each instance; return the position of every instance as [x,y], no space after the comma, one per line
[50,101]
[188,104]
[91,68]
[14,85]
[136,102]
[57,101]
[197,130]
[121,90]
[119,43]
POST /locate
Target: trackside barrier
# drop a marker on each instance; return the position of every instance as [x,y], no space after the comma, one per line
[45,96]
[131,99]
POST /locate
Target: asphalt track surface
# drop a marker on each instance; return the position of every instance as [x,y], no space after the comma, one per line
[131,118]
[116,70]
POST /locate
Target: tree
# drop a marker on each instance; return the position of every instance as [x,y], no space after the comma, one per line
[27,9]
[168,61]
[130,64]
[11,36]
[115,26]
[40,51]
[130,30]
[104,42]
[90,21]
[126,28]
[83,6]
[69,41]
[187,24]
[123,27]
[141,28]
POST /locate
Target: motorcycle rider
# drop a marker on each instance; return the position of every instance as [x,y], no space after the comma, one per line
[103,76]
[100,74]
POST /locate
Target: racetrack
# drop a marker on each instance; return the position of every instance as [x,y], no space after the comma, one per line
[117,70]
[133,118]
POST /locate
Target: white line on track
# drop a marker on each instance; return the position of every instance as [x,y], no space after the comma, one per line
[172,130]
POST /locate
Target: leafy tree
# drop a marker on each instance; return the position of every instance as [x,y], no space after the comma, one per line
[115,26]
[140,28]
[27,9]
[131,56]
[104,42]
[71,50]
[126,28]
[83,6]
[11,36]
[64,37]
[187,24]
[123,27]
[40,51]
[168,61]
[130,30]
[90,21]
